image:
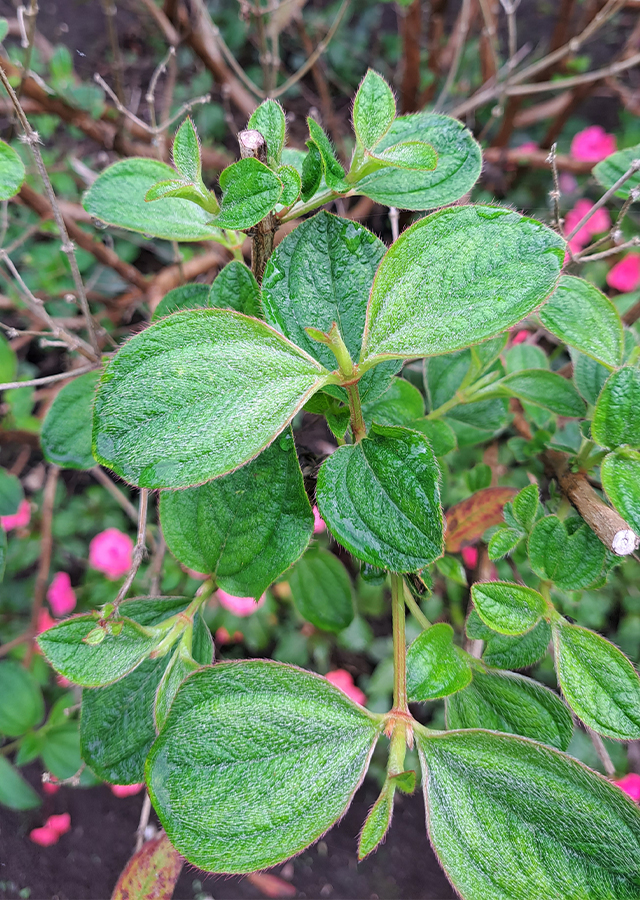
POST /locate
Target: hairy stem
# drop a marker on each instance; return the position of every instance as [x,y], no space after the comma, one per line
[358,427]
[252,144]
[400,703]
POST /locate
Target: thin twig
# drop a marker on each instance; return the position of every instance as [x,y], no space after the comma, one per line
[158,129]
[461,36]
[138,550]
[394,221]
[555,193]
[612,251]
[15,642]
[601,750]
[144,821]
[44,563]
[631,171]
[47,379]
[115,492]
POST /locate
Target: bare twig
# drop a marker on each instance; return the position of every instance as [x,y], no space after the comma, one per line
[555,193]
[44,563]
[252,144]
[144,821]
[153,130]
[612,251]
[48,379]
[394,221]
[139,549]
[521,90]
[631,171]
[117,495]
[15,642]
[460,37]
[110,11]
[601,750]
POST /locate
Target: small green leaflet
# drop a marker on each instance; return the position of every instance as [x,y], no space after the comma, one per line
[321,589]
[250,190]
[331,168]
[204,392]
[311,174]
[525,506]
[542,388]
[66,430]
[269,120]
[567,553]
[22,705]
[504,651]
[599,683]
[616,419]
[15,792]
[510,818]
[232,729]
[504,701]
[620,472]
[11,493]
[377,822]
[117,198]
[233,288]
[186,152]
[435,666]
[186,296]
[438,433]
[245,528]
[581,316]
[374,109]
[380,499]
[292,184]
[400,404]
[12,172]
[507,608]
[437,288]
[611,169]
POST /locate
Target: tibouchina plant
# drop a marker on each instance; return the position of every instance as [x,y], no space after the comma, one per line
[248,762]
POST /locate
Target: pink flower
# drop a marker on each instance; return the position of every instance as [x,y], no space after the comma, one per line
[50,787]
[567,182]
[19,519]
[470,557]
[239,606]
[343,680]
[45,622]
[318,522]
[630,784]
[44,836]
[593,144]
[600,221]
[111,552]
[125,790]
[625,275]
[61,595]
[61,824]
[519,337]
[527,147]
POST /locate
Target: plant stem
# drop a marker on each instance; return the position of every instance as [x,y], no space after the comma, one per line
[397,749]
[358,427]
[399,645]
[252,144]
[414,609]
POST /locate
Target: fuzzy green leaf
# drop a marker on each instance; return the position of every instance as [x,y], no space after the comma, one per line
[598,682]
[525,506]
[571,559]
[458,168]
[400,404]
[542,388]
[374,109]
[246,528]
[503,542]
[332,170]
[235,287]
[117,197]
[589,376]
[186,151]
[611,169]
[311,172]
[12,172]
[457,277]
[510,818]
[514,704]
[66,430]
[377,822]
[197,395]
[250,190]
[292,184]
[22,705]
[438,433]
[237,727]
[620,473]
[616,419]
[435,667]
[380,499]
[11,493]
[412,155]
[187,296]
[179,667]
[505,651]
[15,792]
[321,589]
[269,120]
[581,316]
[507,608]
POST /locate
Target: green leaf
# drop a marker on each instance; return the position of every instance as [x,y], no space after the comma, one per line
[269,120]
[378,821]
[525,506]
[117,198]
[292,184]
[15,792]
[374,109]
[331,168]
[542,388]
[571,559]
[246,528]
[94,664]
[12,172]
[400,404]
[503,542]
[61,751]
[194,193]
[611,169]
[412,155]
[197,395]
[507,608]
[475,423]
[452,568]
[236,288]
[8,361]
[321,590]
[11,493]
[152,871]
[510,818]
[589,376]
[181,665]
[186,152]
[598,681]
[458,169]
[311,172]
[504,701]
[525,356]
[435,666]
[66,430]
[438,286]
[504,651]
[187,296]
[250,190]
[581,316]
[3,552]
[319,274]
[380,499]
[478,478]
[616,419]
[22,706]
[237,727]
[4,29]
[620,473]
[438,433]
[117,725]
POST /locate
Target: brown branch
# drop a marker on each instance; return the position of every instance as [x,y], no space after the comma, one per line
[411,29]
[16,642]
[537,159]
[435,34]
[252,144]
[46,548]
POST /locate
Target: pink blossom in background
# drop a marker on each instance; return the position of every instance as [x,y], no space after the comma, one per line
[61,595]
[318,522]
[600,221]
[125,790]
[45,621]
[630,784]
[239,606]
[19,519]
[343,680]
[527,147]
[625,275]
[63,682]
[567,183]
[470,557]
[593,144]
[50,787]
[111,552]
[61,823]
[519,337]
[44,837]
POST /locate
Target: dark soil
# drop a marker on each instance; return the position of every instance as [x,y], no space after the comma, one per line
[86,862]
